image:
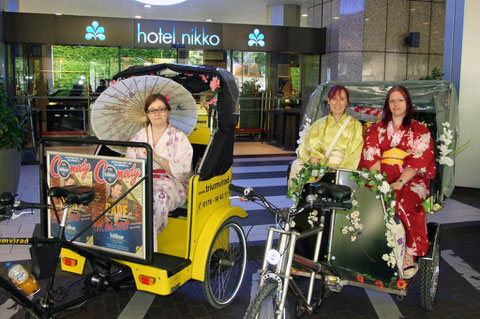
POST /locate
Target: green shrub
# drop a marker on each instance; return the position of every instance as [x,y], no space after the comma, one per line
[11,132]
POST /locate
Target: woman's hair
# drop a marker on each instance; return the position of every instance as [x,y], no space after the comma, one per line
[157,96]
[387,114]
[336,89]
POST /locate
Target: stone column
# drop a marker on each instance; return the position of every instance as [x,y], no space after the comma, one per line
[284,14]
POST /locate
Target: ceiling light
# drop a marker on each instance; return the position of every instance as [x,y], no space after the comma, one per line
[147,5]
[304,15]
[58,14]
[138,17]
[209,20]
[161,2]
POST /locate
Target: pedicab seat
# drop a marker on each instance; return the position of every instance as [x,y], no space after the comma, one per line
[81,195]
[332,191]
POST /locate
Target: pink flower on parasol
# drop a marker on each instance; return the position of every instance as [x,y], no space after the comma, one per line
[204,78]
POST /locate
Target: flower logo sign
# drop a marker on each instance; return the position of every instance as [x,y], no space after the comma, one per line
[95,31]
[256,39]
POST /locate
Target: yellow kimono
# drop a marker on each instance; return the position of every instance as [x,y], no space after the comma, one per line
[346,152]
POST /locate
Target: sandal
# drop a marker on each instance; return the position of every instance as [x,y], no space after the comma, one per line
[410,271]
[410,268]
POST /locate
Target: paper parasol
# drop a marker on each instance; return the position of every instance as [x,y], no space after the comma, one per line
[118,112]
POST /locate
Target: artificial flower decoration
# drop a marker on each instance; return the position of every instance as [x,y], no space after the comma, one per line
[355,227]
[446,152]
[214,84]
[204,78]
[303,177]
[379,284]
[303,133]
[360,279]
[401,284]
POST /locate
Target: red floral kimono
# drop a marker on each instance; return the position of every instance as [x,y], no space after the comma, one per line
[417,142]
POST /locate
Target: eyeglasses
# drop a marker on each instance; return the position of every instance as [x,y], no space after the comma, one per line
[159,110]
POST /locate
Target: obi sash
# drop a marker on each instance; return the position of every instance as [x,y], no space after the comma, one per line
[335,158]
[393,156]
[157,173]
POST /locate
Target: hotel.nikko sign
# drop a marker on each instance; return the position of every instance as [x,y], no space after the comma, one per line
[166,34]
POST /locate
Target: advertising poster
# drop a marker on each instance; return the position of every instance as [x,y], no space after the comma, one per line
[121,229]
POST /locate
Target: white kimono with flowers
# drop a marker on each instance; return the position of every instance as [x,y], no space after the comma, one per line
[170,191]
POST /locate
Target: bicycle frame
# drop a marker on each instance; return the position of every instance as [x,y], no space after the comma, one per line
[282,270]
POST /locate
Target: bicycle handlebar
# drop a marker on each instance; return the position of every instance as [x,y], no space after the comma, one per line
[311,201]
[19,205]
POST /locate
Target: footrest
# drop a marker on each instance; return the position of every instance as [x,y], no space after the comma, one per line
[171,264]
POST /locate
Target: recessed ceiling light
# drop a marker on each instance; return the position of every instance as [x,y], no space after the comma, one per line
[336,18]
[161,2]
[58,13]
[147,5]
[209,20]
[138,17]
[304,15]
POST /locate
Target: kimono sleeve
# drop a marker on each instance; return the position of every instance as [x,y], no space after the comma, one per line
[133,152]
[422,156]
[181,164]
[371,153]
[354,149]
[311,145]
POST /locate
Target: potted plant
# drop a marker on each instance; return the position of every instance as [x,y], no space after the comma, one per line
[11,137]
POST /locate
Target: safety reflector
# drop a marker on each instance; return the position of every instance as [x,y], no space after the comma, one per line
[146,280]
[69,262]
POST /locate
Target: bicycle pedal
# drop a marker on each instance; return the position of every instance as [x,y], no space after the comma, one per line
[59,294]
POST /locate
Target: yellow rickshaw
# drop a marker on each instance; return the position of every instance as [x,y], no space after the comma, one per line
[202,241]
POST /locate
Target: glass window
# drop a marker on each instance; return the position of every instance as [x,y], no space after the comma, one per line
[250,67]
[82,68]
[134,56]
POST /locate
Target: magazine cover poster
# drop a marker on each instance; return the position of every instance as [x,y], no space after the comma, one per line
[121,229]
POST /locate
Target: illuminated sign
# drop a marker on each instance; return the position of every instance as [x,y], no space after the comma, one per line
[161,2]
[95,31]
[256,38]
[197,36]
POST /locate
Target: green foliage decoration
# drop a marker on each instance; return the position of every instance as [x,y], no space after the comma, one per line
[11,132]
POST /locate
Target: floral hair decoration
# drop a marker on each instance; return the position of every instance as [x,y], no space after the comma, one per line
[167,98]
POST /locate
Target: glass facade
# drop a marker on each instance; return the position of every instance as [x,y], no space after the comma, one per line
[49,74]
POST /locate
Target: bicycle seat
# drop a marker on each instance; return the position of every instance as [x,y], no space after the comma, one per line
[333,191]
[74,194]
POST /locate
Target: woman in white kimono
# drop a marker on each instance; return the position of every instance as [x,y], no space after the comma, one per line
[172,159]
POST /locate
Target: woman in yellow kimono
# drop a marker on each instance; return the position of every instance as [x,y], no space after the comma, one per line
[336,139]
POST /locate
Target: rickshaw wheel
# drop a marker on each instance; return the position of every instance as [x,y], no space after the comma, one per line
[429,270]
[225,266]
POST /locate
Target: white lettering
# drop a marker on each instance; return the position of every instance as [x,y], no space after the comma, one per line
[195,38]
[155,35]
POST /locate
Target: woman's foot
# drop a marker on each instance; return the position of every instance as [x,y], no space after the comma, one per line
[410,268]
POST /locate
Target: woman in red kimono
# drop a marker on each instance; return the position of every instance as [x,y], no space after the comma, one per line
[403,148]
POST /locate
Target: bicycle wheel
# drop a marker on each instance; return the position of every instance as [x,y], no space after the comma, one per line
[429,270]
[225,266]
[263,306]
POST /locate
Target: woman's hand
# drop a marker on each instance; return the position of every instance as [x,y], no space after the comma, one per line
[397,185]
